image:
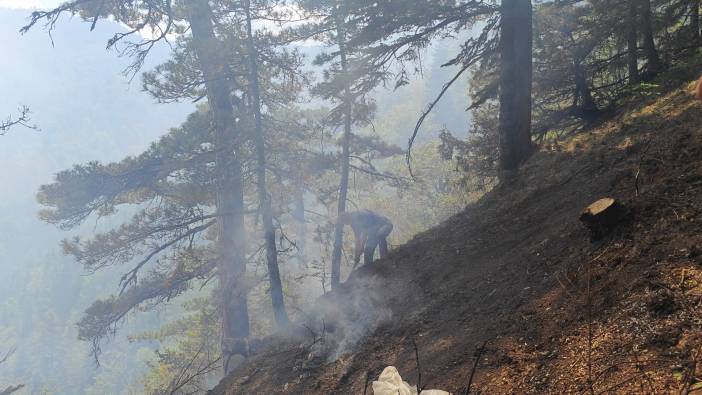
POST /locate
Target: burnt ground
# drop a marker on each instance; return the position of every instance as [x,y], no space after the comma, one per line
[517,273]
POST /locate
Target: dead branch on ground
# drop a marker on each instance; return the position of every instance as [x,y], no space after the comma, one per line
[419,369]
[478,355]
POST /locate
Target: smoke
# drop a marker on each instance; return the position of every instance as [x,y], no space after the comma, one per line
[341,319]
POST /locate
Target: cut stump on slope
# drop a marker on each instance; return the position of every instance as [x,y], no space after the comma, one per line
[601,217]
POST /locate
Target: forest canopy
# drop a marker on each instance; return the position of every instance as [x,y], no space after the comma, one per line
[234,213]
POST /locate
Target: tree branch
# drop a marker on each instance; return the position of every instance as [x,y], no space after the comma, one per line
[131,276]
[101,318]
[22,120]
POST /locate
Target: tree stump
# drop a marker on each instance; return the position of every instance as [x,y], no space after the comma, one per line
[601,217]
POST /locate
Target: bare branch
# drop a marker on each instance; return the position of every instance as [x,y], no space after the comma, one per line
[11,389]
[8,354]
[137,15]
[191,371]
[23,119]
[475,50]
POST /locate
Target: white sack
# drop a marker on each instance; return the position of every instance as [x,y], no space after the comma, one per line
[390,383]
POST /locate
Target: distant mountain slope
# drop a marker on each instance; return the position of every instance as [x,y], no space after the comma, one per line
[517,273]
[86,111]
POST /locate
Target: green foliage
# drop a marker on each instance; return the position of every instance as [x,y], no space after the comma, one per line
[435,194]
[157,210]
[188,357]
[168,186]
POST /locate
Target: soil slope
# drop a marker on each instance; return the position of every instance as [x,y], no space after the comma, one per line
[517,273]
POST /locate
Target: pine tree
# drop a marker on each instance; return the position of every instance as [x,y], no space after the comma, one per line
[653,65]
[346,85]
[632,42]
[264,200]
[229,195]
[515,84]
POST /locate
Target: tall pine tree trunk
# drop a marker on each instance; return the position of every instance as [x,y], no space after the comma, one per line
[632,43]
[515,85]
[649,45]
[301,227]
[583,100]
[229,196]
[345,147]
[281,316]
[695,22]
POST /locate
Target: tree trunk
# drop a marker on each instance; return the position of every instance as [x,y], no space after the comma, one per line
[346,141]
[231,236]
[632,44]
[583,96]
[281,316]
[515,85]
[695,22]
[301,228]
[649,45]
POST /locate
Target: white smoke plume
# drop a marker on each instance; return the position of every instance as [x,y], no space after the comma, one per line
[343,318]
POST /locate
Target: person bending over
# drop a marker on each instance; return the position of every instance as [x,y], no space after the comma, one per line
[370,230]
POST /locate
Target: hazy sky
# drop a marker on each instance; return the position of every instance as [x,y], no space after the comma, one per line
[24,4]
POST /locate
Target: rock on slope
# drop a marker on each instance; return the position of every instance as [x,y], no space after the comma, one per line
[517,273]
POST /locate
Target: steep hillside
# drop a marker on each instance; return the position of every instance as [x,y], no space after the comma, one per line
[517,273]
